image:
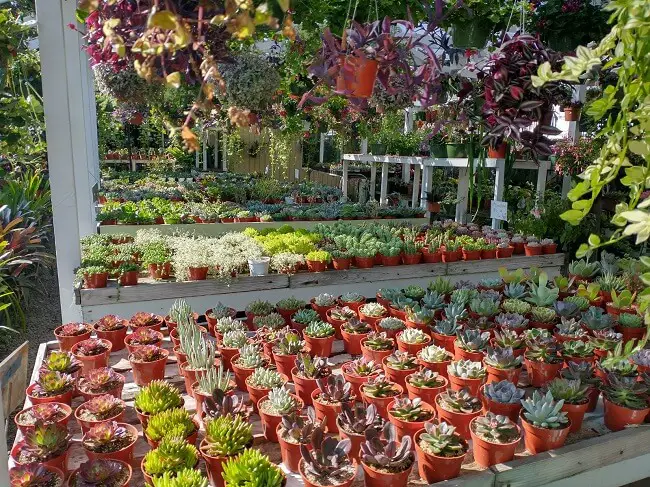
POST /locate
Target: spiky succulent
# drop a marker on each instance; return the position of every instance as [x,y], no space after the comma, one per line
[508,338]
[334,389]
[543,352]
[442,440]
[504,392]
[305,316]
[227,435]
[143,318]
[571,391]
[379,342]
[626,392]
[319,329]
[227,324]
[251,357]
[34,475]
[222,404]
[43,442]
[433,300]
[359,417]
[214,378]
[362,367]
[298,429]
[512,321]
[447,327]
[434,354]
[325,299]
[426,378]
[173,422]
[401,361]
[515,306]
[61,361]
[290,303]
[441,286]
[495,428]
[279,402]
[462,297]
[288,343]
[183,478]
[259,307]
[180,311]
[107,437]
[271,321]
[577,348]
[52,383]
[473,340]
[584,268]
[251,468]
[629,320]
[380,386]
[171,455]
[490,294]
[265,378]
[219,311]
[328,457]
[611,282]
[544,412]
[542,315]
[381,449]
[459,401]
[466,369]
[100,408]
[391,323]
[312,367]
[99,473]
[502,358]
[158,396]
[410,410]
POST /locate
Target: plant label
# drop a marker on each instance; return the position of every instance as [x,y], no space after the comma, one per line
[499,210]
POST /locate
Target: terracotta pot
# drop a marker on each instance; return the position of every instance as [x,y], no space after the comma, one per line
[395,375]
[329,411]
[131,348]
[226,356]
[411,348]
[125,454]
[316,266]
[450,256]
[445,341]
[427,394]
[353,305]
[159,271]
[471,254]
[341,264]
[618,417]
[576,413]
[440,367]
[145,372]
[257,393]
[487,453]
[518,247]
[355,380]
[593,395]
[376,478]
[352,341]
[270,422]
[129,278]
[432,257]
[60,462]
[409,428]
[65,398]
[95,361]
[116,337]
[213,466]
[96,281]
[307,483]
[290,452]
[533,250]
[572,114]
[321,310]
[462,354]
[458,383]
[433,468]
[459,420]
[304,387]
[498,152]
[391,260]
[67,342]
[497,375]
[372,321]
[242,373]
[489,254]
[86,425]
[364,262]
[321,347]
[511,410]
[24,428]
[381,403]
[549,248]
[411,259]
[355,439]
[504,253]
[541,373]
[284,363]
[198,273]
[631,333]
[538,440]
[397,313]
[374,355]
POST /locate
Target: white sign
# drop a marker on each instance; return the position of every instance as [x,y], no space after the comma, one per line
[266,170]
[499,210]
[296,173]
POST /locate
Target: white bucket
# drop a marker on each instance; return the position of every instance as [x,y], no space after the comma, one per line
[259,267]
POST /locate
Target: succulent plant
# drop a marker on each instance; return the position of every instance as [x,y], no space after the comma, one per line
[279,402]
[157,396]
[441,286]
[434,354]
[512,321]
[414,336]
[491,295]
[570,328]
[180,311]
[42,443]
[459,401]
[484,307]
[546,352]
[325,299]
[352,298]
[45,413]
[462,297]
[319,329]
[466,369]
[420,315]
[540,294]
[147,353]
[625,391]
[227,324]
[610,282]
[259,307]
[641,357]
[582,371]
[214,378]
[508,338]
[373,310]
[33,475]
[543,411]
[391,323]
[454,311]
[265,378]
[502,358]
[571,391]
[227,435]
[290,303]
[380,386]
[74,329]
[51,383]
[288,343]
[186,477]
[629,320]
[100,408]
[100,473]
[537,336]
[143,318]
[251,357]
[359,417]
[273,321]
[447,327]
[173,422]
[442,440]
[401,361]
[91,347]
[495,428]
[109,323]
[381,449]
[61,361]
[515,290]
[566,309]
[379,341]
[171,455]
[473,340]
[107,437]
[312,367]
[433,300]
[605,339]
[542,315]
[334,389]
[410,410]
[200,351]
[516,306]
[145,336]
[251,468]
[100,380]
[583,268]
[362,367]
[343,314]
[504,392]
[577,348]
[221,404]
[219,311]
[354,326]
[580,301]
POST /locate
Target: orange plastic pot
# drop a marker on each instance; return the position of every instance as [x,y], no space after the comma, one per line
[504,253]
[531,251]
[129,278]
[67,342]
[498,152]
[538,440]
[198,273]
[397,313]
[458,383]
[364,262]
[390,260]
[497,375]
[24,428]
[630,333]
[549,248]
[471,254]
[451,255]
[316,266]
[270,421]
[432,257]
[445,341]
[60,462]
[460,420]
[191,439]
[541,373]
[576,413]
[355,439]
[372,321]
[440,367]
[395,375]
[381,403]
[321,347]
[213,466]
[159,271]
[145,372]
[353,305]
[329,411]
[290,452]
[487,453]
[409,428]
[433,468]
[86,425]
[518,247]
[376,478]
[94,361]
[411,259]
[357,76]
[489,254]
[355,380]
[65,398]
[321,310]
[304,387]
[96,281]
[284,363]
[308,483]
[226,356]
[462,354]
[427,394]
[572,114]
[511,409]
[242,373]
[337,324]
[593,395]
[115,391]
[618,417]
[341,264]
[130,347]
[116,337]
[352,341]
[374,355]
[411,348]
[125,454]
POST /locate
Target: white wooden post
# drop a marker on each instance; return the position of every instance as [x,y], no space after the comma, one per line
[574,135]
[205,149]
[364,146]
[216,150]
[462,194]
[416,187]
[383,194]
[134,165]
[71,136]
[224,152]
[196,159]
[541,179]
[499,184]
[373,180]
[344,179]
[321,153]
[424,189]
[4,457]
[408,128]
[566,186]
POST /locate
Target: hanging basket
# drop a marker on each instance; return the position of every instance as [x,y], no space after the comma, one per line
[471,34]
[357,76]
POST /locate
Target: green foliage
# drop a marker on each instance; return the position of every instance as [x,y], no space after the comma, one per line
[183,478]
[227,435]
[252,469]
[158,396]
[172,455]
[173,422]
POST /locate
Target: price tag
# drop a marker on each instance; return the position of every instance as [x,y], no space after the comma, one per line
[499,210]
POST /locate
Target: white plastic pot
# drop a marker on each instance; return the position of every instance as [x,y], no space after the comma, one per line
[259,267]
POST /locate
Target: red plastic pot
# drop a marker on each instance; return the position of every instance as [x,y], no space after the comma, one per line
[129,278]
[578,360]
[67,342]
[498,152]
[321,347]
[116,337]
[227,355]
[381,403]
[353,305]
[145,372]
[381,478]
[576,413]
[471,254]
[618,417]
[431,257]
[352,341]
[511,410]
[60,463]
[434,468]
[284,363]
[427,394]
[374,355]
[96,281]
[458,383]
[303,386]
[409,428]
[593,395]
[538,440]
[541,373]
[395,375]
[341,264]
[631,333]
[257,393]
[411,259]
[372,321]
[497,375]
[321,310]
[531,251]
[308,483]
[440,367]
[316,266]
[159,271]
[65,398]
[459,420]
[411,348]
[489,254]
[198,273]
[445,341]
[95,361]
[397,313]
[364,262]
[86,425]
[355,380]
[504,253]
[355,440]
[549,248]
[270,422]
[390,260]
[242,373]
[290,452]
[24,428]
[131,348]
[115,391]
[487,453]
[451,255]
[329,411]
[125,454]
[191,439]
[462,354]
[572,114]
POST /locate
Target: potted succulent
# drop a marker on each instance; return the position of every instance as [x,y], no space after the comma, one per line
[625,402]
[569,330]
[386,458]
[109,473]
[171,456]
[288,307]
[216,313]
[444,332]
[409,415]
[576,400]
[293,431]
[249,467]
[273,406]
[149,320]
[231,342]
[584,372]
[44,444]
[271,321]
[502,398]
[322,303]
[286,350]
[435,358]
[391,326]
[542,363]
[333,391]
[545,425]
[141,337]
[425,384]
[148,363]
[99,409]
[372,313]
[341,259]
[511,321]
[327,463]
[352,423]
[440,452]
[502,364]
[516,306]
[358,372]
[317,260]
[225,438]
[508,338]
[399,365]
[306,373]
[302,318]
[51,387]
[44,414]
[381,392]
[465,374]
[154,398]
[35,475]
[339,316]
[113,329]
[353,301]
[377,346]
[353,331]
[200,356]
[71,333]
[261,381]
[458,408]
[101,381]
[92,353]
[173,422]
[631,326]
[471,344]
[210,380]
[578,351]
[412,340]
[319,338]
[222,403]
[110,441]
[248,359]
[494,439]
[224,325]
[420,317]
[60,361]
